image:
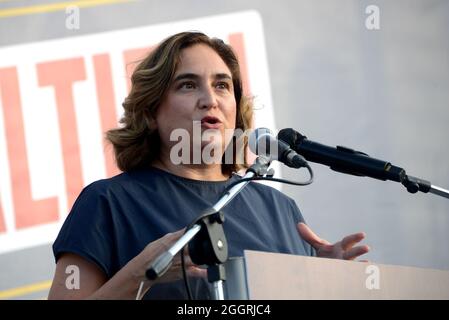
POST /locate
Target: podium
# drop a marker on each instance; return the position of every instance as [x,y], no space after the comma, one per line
[272,276]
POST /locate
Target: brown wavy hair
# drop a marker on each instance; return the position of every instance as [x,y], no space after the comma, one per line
[137,143]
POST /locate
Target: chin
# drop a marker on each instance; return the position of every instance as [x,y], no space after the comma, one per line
[212,144]
[212,151]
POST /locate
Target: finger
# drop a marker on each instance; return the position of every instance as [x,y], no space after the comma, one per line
[309,236]
[175,272]
[168,239]
[187,260]
[349,241]
[197,272]
[186,251]
[355,252]
[175,235]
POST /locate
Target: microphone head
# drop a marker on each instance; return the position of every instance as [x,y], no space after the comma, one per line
[257,141]
[288,135]
[262,142]
[291,137]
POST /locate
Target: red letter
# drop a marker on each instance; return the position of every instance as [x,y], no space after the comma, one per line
[237,43]
[28,212]
[61,75]
[106,104]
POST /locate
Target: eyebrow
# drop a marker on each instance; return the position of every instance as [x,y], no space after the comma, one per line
[195,76]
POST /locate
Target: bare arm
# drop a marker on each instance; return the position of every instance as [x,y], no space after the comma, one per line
[94,284]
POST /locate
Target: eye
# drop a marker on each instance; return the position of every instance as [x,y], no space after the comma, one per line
[187,85]
[222,85]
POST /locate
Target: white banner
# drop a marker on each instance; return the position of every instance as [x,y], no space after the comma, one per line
[58,97]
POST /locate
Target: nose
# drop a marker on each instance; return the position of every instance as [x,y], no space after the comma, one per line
[208,99]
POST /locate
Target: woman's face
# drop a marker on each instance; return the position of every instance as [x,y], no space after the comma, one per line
[201,101]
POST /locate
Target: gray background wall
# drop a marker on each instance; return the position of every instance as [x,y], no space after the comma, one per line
[384,92]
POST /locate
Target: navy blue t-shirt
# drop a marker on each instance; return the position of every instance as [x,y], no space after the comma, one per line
[114,219]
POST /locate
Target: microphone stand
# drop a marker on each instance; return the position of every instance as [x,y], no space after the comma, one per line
[349,161]
[206,238]
[414,185]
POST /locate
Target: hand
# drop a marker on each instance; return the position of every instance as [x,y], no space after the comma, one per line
[159,246]
[344,249]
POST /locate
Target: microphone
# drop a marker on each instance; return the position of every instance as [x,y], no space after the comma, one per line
[263,142]
[342,159]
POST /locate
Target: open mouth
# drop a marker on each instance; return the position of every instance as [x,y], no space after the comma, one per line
[210,120]
[210,123]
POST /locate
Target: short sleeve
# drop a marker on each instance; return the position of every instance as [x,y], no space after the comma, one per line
[88,229]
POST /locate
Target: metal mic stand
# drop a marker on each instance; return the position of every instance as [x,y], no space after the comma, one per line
[414,185]
[206,238]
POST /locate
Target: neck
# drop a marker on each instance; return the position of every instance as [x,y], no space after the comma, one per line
[203,172]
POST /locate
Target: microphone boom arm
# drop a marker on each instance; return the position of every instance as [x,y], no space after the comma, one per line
[349,161]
